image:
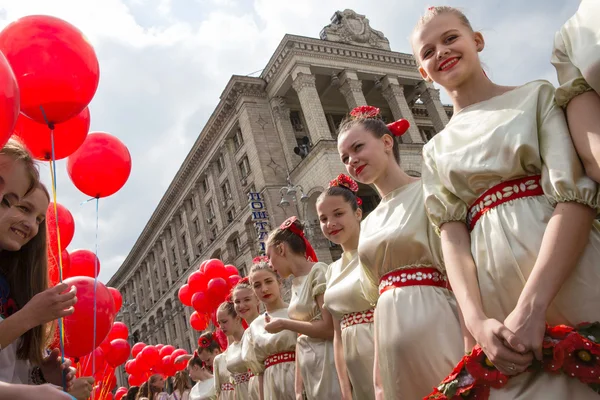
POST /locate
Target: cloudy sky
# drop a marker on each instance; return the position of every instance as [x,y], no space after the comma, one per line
[164,64]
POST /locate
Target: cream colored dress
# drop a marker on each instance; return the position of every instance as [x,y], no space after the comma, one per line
[315,356]
[223,377]
[349,291]
[417,329]
[238,369]
[278,379]
[204,390]
[519,133]
[247,357]
[576,53]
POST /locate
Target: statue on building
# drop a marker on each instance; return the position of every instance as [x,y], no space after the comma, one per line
[349,27]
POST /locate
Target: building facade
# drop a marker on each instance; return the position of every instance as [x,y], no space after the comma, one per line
[266,153]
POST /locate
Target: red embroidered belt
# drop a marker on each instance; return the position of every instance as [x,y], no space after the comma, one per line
[417,276]
[362,317]
[242,378]
[227,386]
[286,356]
[528,186]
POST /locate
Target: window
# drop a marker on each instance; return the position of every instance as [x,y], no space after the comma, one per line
[334,121]
[187,261]
[210,210]
[242,269]
[226,189]
[296,121]
[230,216]
[427,133]
[238,139]
[169,233]
[244,167]
[205,185]
[183,244]
[221,163]
[200,248]
[213,233]
[174,255]
[196,226]
[237,246]
[179,220]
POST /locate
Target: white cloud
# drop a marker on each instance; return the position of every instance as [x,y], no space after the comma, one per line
[164,64]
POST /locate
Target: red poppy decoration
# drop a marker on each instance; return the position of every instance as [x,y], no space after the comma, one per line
[399,128]
[365,112]
[559,332]
[482,369]
[582,358]
[205,341]
[345,181]
[259,259]
[244,280]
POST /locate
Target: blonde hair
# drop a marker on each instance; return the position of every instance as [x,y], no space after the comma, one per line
[432,12]
[263,266]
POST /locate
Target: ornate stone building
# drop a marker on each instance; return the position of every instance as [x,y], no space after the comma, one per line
[266,153]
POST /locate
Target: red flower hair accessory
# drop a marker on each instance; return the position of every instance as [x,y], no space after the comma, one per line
[244,280]
[205,340]
[259,259]
[365,112]
[196,353]
[289,224]
[345,181]
[399,128]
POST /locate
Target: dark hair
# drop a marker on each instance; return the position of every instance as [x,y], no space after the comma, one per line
[26,271]
[143,391]
[295,242]
[195,360]
[132,393]
[375,125]
[342,191]
[228,307]
[211,340]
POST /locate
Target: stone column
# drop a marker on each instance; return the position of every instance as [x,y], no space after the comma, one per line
[435,109]
[304,85]
[393,93]
[285,130]
[155,295]
[351,89]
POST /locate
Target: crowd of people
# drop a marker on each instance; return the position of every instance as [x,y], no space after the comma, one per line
[494,245]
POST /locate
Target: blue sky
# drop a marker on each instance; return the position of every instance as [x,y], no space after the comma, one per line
[164,64]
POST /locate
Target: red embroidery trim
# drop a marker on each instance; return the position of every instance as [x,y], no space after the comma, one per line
[242,378]
[356,318]
[528,186]
[279,358]
[418,276]
[227,386]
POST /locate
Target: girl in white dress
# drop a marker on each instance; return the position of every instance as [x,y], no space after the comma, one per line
[273,355]
[350,296]
[504,186]
[290,253]
[576,57]
[231,324]
[204,389]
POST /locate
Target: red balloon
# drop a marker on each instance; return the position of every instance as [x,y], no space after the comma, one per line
[197,282]
[137,348]
[203,265]
[117,298]
[120,393]
[105,345]
[55,66]
[150,355]
[9,100]
[214,269]
[68,136]
[217,289]
[118,353]
[142,364]
[198,322]
[118,331]
[233,280]
[79,326]
[167,366]
[201,303]
[185,295]
[166,351]
[82,264]
[101,166]
[136,380]
[177,353]
[53,262]
[128,366]
[231,270]
[86,363]
[66,224]
[159,347]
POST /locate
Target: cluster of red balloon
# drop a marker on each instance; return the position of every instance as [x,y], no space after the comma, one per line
[149,360]
[206,289]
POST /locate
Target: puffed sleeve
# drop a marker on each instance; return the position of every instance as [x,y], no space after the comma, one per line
[248,354]
[441,205]
[318,279]
[571,81]
[563,176]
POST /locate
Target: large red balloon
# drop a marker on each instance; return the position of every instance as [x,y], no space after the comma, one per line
[166,351]
[214,269]
[197,281]
[136,380]
[185,295]
[79,326]
[117,298]
[118,331]
[53,266]
[203,265]
[217,289]
[198,322]
[66,225]
[233,280]
[55,66]
[150,356]
[118,353]
[68,136]
[86,363]
[101,166]
[9,100]
[137,348]
[120,393]
[201,303]
[231,270]
[82,264]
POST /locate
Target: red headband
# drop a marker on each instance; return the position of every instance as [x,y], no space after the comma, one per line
[347,182]
[397,128]
[259,259]
[289,224]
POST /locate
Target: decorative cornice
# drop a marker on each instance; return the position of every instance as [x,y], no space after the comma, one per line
[280,109]
[304,45]
[350,86]
[303,81]
[237,87]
